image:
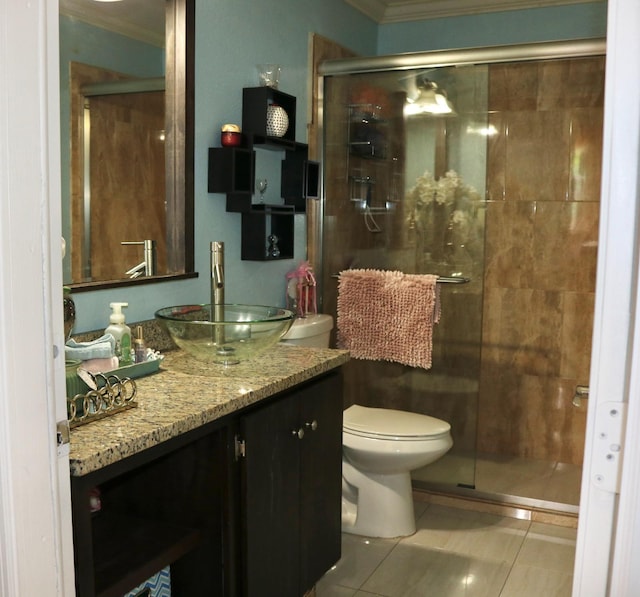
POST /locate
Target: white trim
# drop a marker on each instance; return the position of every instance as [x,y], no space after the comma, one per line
[35,506]
[53,281]
[615,356]
[624,15]
[398,11]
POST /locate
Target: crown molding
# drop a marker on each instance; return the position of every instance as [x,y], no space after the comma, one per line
[398,11]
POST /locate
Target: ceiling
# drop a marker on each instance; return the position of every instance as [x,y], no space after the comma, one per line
[140,19]
[397,11]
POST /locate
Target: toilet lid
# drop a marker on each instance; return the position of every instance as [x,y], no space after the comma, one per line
[389,423]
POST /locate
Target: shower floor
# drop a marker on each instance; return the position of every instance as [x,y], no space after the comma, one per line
[554,482]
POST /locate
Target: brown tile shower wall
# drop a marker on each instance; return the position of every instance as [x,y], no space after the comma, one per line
[543,187]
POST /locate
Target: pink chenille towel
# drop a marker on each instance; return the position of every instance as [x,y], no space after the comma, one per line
[387,315]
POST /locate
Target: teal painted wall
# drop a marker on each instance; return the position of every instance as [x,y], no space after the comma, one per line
[576,21]
[231,38]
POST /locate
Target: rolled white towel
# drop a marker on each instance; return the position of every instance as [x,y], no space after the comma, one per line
[101,348]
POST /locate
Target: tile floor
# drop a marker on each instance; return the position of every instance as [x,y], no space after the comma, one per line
[457,553]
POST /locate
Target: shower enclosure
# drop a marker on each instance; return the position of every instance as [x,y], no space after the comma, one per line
[482,167]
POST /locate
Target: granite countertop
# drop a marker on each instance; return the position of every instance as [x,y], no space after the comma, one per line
[186,394]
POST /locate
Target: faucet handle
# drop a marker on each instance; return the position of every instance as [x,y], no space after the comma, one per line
[218,276]
[149,263]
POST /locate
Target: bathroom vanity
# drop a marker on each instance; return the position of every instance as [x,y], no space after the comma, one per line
[230,476]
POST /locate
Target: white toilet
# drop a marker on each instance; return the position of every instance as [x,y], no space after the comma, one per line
[312,330]
[380,448]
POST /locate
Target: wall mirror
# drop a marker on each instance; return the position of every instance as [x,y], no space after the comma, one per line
[126,103]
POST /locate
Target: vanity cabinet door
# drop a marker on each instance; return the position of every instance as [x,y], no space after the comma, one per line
[271,506]
[320,480]
[291,490]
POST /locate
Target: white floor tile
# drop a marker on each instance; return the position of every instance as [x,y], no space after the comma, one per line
[549,547]
[467,532]
[528,581]
[360,557]
[457,553]
[324,589]
[417,571]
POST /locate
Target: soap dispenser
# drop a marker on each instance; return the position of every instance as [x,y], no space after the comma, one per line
[121,333]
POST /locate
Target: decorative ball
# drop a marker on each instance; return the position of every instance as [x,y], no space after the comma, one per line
[277,121]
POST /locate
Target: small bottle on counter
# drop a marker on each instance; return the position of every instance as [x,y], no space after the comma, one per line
[139,346]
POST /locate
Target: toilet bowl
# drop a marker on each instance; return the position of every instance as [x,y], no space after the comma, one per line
[380,448]
[312,330]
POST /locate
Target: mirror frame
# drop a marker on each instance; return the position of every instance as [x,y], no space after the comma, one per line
[179,150]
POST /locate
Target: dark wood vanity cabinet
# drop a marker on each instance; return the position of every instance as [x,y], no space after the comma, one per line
[164,506]
[266,523]
[291,490]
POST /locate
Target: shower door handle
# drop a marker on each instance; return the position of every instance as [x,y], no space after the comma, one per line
[581,393]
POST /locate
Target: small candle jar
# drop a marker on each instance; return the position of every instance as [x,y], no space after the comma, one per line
[230,135]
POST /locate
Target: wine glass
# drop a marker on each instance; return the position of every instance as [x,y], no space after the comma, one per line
[262,187]
[273,250]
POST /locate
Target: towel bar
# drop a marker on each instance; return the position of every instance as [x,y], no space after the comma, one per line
[440,280]
[453,280]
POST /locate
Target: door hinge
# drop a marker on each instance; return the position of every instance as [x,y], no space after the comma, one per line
[62,433]
[240,447]
[607,456]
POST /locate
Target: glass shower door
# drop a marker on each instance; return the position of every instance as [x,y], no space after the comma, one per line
[405,190]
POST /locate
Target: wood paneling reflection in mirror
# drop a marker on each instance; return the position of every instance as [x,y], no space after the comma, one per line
[115,192]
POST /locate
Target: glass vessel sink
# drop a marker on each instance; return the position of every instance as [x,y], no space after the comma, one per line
[232,333]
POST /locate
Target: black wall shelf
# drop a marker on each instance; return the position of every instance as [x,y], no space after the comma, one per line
[300,178]
[255,101]
[232,172]
[261,222]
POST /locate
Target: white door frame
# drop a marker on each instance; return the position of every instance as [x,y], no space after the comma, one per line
[607,555]
[36,557]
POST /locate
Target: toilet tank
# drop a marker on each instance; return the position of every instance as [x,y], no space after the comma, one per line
[312,330]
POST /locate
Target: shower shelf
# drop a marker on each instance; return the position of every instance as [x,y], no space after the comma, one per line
[367,132]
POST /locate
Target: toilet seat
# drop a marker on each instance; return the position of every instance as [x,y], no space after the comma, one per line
[389,424]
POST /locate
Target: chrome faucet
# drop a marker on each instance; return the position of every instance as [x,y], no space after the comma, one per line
[217,277]
[148,266]
[217,289]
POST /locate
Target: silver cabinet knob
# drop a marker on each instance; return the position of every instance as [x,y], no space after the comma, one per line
[299,433]
[313,425]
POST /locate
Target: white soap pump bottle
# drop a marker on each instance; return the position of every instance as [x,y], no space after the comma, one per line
[121,333]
